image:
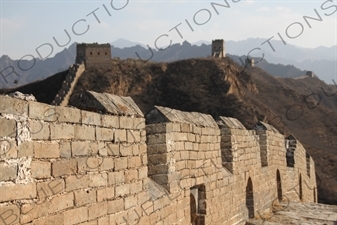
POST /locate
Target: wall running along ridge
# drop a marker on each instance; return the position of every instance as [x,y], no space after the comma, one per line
[61,165]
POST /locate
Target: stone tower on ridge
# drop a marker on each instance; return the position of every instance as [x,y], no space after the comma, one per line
[218,48]
[92,54]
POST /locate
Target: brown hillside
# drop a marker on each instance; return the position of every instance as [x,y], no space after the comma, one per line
[306,108]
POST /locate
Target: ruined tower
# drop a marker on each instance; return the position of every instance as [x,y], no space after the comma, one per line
[92,54]
[310,74]
[218,48]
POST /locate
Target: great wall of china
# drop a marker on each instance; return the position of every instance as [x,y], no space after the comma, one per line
[63,165]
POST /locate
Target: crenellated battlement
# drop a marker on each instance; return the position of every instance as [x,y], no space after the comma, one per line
[62,165]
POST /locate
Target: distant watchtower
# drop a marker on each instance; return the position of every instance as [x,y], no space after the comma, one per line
[218,48]
[310,74]
[92,54]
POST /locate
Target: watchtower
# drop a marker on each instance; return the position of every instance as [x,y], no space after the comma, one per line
[218,48]
[310,74]
[92,54]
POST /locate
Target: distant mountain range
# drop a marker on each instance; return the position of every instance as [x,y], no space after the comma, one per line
[295,60]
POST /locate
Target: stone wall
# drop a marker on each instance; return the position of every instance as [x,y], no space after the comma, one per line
[68,85]
[63,165]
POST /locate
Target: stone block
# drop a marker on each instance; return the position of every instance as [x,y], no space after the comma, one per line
[91,118]
[89,164]
[8,128]
[134,162]
[122,190]
[68,115]
[40,111]
[121,163]
[156,128]
[136,187]
[130,201]
[126,122]
[13,106]
[107,164]
[120,135]
[156,139]
[61,131]
[139,123]
[83,197]
[77,182]
[8,149]
[98,180]
[115,206]
[116,177]
[40,169]
[105,194]
[133,136]
[46,150]
[8,171]
[97,210]
[110,121]
[39,130]
[104,134]
[126,149]
[84,132]
[25,149]
[77,215]
[130,175]
[113,149]
[64,167]
[84,148]
[50,188]
[142,173]
[10,214]
[65,149]
[53,219]
[10,192]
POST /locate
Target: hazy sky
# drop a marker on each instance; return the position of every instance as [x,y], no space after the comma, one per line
[28,24]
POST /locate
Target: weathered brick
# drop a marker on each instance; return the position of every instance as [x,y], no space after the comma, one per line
[42,111]
[77,182]
[136,187]
[49,188]
[65,149]
[133,136]
[89,164]
[126,122]
[156,138]
[103,220]
[116,177]
[139,123]
[64,167]
[12,192]
[104,134]
[46,150]
[110,121]
[130,175]
[84,148]
[105,194]
[8,128]
[76,215]
[8,171]
[69,115]
[97,210]
[122,190]
[25,149]
[40,169]
[83,197]
[8,149]
[134,162]
[142,172]
[14,106]
[120,135]
[115,206]
[84,132]
[39,130]
[53,219]
[9,214]
[125,149]
[107,164]
[98,180]
[113,149]
[61,131]
[130,201]
[91,118]
[121,163]
[33,211]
